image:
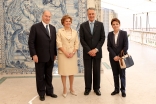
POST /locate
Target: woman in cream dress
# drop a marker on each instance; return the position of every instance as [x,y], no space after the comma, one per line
[67,44]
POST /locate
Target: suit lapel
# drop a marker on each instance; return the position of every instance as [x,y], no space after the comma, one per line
[51,30]
[88,28]
[65,34]
[118,40]
[113,39]
[72,35]
[95,27]
[44,29]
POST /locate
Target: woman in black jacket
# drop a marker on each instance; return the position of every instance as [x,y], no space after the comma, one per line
[117,41]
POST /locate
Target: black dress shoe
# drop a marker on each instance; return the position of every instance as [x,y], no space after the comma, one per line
[42,98]
[114,92]
[86,92]
[123,94]
[52,95]
[97,92]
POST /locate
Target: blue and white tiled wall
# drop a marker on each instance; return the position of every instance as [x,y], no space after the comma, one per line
[17,16]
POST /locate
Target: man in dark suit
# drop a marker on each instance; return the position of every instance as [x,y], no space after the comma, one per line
[92,37]
[42,46]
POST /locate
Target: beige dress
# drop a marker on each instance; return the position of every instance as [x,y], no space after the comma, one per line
[69,41]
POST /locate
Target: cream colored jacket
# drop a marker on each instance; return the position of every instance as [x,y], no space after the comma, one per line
[68,44]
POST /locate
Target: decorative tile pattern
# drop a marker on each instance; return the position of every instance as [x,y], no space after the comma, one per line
[19,16]
[83,17]
[2,53]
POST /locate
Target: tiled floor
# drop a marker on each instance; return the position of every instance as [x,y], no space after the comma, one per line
[141,84]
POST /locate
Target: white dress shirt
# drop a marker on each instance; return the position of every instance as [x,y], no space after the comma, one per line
[92,24]
[93,29]
[116,37]
[44,24]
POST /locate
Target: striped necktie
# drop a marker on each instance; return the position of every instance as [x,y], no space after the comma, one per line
[47,30]
[91,27]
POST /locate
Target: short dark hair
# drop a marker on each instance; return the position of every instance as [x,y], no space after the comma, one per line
[116,20]
[64,18]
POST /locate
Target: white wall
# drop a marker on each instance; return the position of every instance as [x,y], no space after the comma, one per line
[126,20]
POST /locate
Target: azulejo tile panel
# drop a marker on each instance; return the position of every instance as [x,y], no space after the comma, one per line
[2,58]
[19,16]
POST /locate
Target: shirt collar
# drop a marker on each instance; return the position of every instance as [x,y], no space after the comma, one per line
[116,33]
[45,24]
[92,22]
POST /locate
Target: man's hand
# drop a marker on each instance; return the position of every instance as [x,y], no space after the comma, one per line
[35,58]
[54,58]
[92,53]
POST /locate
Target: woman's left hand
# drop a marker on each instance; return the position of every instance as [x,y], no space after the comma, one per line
[71,55]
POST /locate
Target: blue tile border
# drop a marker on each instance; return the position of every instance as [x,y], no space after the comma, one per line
[106,65]
[2,79]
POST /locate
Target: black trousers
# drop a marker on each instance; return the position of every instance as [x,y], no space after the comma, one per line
[90,64]
[44,77]
[117,71]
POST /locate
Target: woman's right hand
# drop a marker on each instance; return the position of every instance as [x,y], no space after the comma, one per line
[67,54]
[64,52]
[116,58]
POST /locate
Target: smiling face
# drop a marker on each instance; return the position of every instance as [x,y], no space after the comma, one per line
[46,17]
[115,26]
[91,15]
[67,23]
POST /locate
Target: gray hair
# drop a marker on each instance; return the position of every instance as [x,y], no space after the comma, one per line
[46,11]
[91,8]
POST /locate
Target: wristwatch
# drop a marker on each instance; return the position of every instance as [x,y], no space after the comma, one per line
[96,49]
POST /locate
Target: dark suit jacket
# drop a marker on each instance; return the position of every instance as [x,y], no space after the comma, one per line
[89,41]
[122,43]
[41,44]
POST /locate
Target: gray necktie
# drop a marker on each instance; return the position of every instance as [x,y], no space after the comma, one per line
[91,27]
[47,29]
